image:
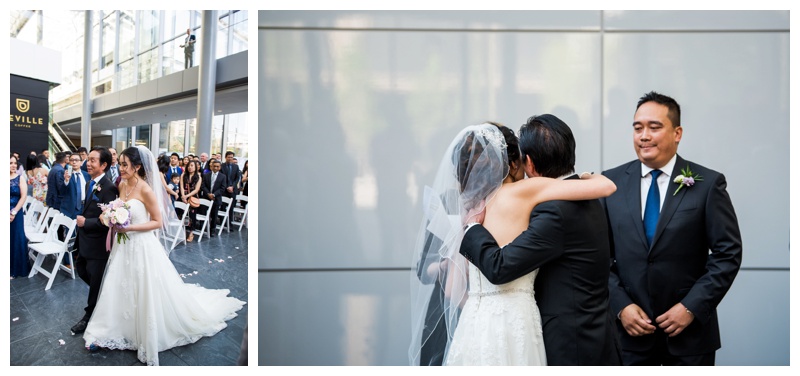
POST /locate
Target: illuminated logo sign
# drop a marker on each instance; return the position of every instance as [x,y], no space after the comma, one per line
[23,105]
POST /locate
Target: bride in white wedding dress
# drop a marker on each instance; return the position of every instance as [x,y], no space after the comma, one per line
[485,324]
[143,304]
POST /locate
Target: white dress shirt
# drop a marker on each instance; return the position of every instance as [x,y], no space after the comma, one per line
[663,182]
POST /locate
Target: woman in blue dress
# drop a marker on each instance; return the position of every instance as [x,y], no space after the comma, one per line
[19,243]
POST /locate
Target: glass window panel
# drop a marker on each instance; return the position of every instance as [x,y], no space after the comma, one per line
[163,138]
[237,134]
[222,36]
[172,60]
[148,29]
[216,134]
[148,66]
[192,136]
[177,130]
[143,135]
[127,74]
[239,31]
[169,25]
[109,38]
[182,18]
[126,34]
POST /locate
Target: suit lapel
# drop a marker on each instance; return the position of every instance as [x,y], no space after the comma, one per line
[634,199]
[88,198]
[671,202]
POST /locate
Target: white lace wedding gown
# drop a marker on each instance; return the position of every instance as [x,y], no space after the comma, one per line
[499,324]
[144,305]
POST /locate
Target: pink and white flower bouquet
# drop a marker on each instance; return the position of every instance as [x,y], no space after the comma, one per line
[116,215]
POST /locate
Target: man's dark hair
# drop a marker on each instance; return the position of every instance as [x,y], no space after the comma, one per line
[227,153]
[60,157]
[673,108]
[44,150]
[82,150]
[105,156]
[175,155]
[549,143]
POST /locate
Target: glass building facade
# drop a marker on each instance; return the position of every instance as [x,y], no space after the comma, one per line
[129,48]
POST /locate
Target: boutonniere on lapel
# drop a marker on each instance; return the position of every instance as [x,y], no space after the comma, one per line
[97,189]
[686,178]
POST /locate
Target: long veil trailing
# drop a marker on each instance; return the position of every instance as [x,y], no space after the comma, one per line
[170,224]
[469,175]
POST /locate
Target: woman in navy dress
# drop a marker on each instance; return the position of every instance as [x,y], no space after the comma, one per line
[19,243]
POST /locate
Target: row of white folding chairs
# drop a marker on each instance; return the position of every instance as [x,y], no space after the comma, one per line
[223,214]
[51,245]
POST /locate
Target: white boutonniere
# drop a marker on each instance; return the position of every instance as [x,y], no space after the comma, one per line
[687,178]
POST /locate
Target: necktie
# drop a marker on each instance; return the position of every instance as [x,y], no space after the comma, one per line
[213,179]
[652,208]
[80,185]
[91,188]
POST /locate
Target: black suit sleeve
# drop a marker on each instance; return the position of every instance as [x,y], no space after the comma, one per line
[725,243]
[540,243]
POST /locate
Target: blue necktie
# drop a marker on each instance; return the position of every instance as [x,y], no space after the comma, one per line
[91,187]
[652,208]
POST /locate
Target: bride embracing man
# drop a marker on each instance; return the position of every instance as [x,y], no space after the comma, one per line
[474,301]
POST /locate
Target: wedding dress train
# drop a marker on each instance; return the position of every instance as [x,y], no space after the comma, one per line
[144,304]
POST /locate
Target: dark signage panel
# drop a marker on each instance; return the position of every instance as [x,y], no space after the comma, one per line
[29,115]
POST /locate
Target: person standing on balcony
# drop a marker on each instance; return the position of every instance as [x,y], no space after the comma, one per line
[188,49]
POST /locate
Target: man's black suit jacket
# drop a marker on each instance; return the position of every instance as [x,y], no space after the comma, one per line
[568,242]
[234,175]
[219,186]
[91,242]
[678,266]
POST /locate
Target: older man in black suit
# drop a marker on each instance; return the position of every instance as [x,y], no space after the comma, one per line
[91,241]
[676,245]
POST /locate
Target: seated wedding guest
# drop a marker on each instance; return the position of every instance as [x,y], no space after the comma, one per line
[191,183]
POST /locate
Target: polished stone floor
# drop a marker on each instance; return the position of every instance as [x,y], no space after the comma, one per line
[41,320]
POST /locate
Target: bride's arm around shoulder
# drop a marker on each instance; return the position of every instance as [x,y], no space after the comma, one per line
[541,189]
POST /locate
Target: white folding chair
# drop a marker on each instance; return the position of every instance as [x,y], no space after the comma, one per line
[29,200]
[203,218]
[224,209]
[39,235]
[240,210]
[53,246]
[179,228]
[35,217]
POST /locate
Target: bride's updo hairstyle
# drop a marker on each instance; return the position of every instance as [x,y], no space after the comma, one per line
[476,172]
[132,153]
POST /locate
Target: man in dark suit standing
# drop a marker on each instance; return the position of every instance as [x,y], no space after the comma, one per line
[113,170]
[665,285]
[72,205]
[56,189]
[91,242]
[214,185]
[46,154]
[568,242]
[233,173]
[84,154]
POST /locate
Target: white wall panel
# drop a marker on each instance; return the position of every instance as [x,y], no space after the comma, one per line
[439,20]
[334,318]
[356,123]
[696,20]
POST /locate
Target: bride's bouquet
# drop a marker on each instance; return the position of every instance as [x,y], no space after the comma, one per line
[116,215]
